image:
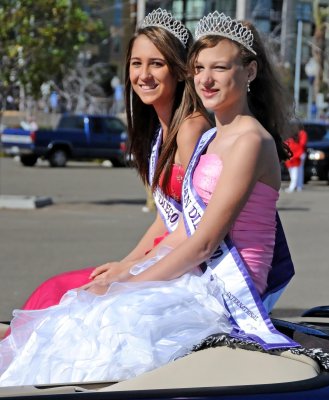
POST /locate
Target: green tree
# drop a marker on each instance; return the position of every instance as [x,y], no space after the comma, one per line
[40,40]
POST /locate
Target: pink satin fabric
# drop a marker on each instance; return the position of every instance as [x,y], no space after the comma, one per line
[253,233]
[51,291]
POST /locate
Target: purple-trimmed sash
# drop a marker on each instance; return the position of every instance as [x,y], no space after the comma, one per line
[282,268]
[169,209]
[248,314]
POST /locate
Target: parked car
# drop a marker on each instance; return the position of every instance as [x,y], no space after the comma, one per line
[317,160]
[220,370]
[77,137]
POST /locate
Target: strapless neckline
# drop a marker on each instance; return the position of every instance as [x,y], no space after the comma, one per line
[219,161]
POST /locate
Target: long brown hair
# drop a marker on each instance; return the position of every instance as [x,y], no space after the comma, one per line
[142,120]
[268,100]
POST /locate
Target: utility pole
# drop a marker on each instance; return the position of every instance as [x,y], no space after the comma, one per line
[184,12]
[303,15]
[241,10]
[298,63]
[287,30]
[140,11]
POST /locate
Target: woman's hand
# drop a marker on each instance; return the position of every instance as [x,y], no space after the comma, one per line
[114,271]
[98,287]
[113,267]
[104,275]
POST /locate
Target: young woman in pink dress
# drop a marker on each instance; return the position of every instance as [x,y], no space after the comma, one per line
[161,103]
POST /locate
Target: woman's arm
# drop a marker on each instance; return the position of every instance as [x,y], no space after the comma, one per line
[120,271]
[156,229]
[188,134]
[187,137]
[247,162]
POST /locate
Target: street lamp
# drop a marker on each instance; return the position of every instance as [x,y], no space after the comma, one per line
[311,70]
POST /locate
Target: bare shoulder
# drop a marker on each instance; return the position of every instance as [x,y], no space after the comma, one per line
[188,135]
[256,147]
[194,124]
[254,136]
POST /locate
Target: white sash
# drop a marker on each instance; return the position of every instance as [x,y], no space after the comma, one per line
[249,317]
[169,209]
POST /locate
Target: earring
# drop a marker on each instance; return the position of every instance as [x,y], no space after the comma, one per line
[248,86]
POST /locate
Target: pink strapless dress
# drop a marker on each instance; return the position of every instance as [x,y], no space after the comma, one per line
[253,233]
[51,291]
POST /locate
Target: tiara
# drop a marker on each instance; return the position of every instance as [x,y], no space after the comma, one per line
[222,25]
[165,20]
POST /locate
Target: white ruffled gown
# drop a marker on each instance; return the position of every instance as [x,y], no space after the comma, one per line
[133,328]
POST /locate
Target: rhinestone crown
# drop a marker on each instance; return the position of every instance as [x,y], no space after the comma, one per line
[165,20]
[222,25]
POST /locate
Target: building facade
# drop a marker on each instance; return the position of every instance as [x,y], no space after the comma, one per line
[287,25]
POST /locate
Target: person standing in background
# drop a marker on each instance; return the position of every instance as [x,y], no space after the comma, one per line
[293,164]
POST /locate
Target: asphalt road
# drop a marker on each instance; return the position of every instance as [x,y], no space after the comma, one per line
[96,216]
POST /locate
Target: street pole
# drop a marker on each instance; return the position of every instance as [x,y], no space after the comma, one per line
[241,7]
[140,11]
[287,46]
[311,70]
[184,12]
[298,64]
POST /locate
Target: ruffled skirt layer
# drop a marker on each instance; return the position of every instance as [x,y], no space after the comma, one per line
[133,328]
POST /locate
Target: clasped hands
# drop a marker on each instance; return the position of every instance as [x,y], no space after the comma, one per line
[104,275]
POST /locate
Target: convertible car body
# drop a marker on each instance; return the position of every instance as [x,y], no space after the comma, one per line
[220,368]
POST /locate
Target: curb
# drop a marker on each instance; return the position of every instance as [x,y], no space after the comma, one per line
[24,202]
